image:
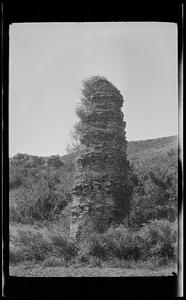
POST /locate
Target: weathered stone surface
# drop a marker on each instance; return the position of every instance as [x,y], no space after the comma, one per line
[101,191]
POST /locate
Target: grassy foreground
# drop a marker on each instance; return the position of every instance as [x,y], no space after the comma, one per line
[80,271]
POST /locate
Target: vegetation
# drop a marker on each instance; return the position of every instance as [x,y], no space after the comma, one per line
[35,190]
[156,241]
[39,211]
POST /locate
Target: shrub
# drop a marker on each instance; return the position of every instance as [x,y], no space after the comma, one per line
[160,238]
[19,254]
[37,201]
[28,243]
[98,246]
[63,245]
[116,242]
[156,239]
[54,261]
[36,242]
[94,261]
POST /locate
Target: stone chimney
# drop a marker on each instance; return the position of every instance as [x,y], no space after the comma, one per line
[100,194]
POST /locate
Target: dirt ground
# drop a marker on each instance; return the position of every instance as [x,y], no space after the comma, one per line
[38,271]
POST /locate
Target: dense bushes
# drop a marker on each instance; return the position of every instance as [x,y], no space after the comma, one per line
[160,237]
[156,193]
[37,201]
[30,243]
[156,239]
[36,192]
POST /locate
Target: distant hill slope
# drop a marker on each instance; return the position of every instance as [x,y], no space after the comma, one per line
[139,149]
[159,156]
[152,147]
[146,152]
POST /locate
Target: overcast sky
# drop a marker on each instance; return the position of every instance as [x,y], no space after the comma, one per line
[48,62]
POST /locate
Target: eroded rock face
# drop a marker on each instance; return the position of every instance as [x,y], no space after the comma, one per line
[101,192]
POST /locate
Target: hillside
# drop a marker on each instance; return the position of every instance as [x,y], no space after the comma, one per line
[141,153]
[152,147]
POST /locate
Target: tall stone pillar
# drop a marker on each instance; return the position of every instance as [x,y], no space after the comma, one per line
[100,193]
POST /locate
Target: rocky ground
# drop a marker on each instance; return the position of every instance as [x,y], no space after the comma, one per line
[39,271]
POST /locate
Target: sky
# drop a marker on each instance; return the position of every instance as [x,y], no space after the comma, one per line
[48,61]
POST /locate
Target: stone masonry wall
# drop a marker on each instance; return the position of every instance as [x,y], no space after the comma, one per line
[100,192]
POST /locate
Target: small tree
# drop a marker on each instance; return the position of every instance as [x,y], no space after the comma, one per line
[74,144]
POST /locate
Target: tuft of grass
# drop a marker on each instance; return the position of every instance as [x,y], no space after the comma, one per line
[54,261]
